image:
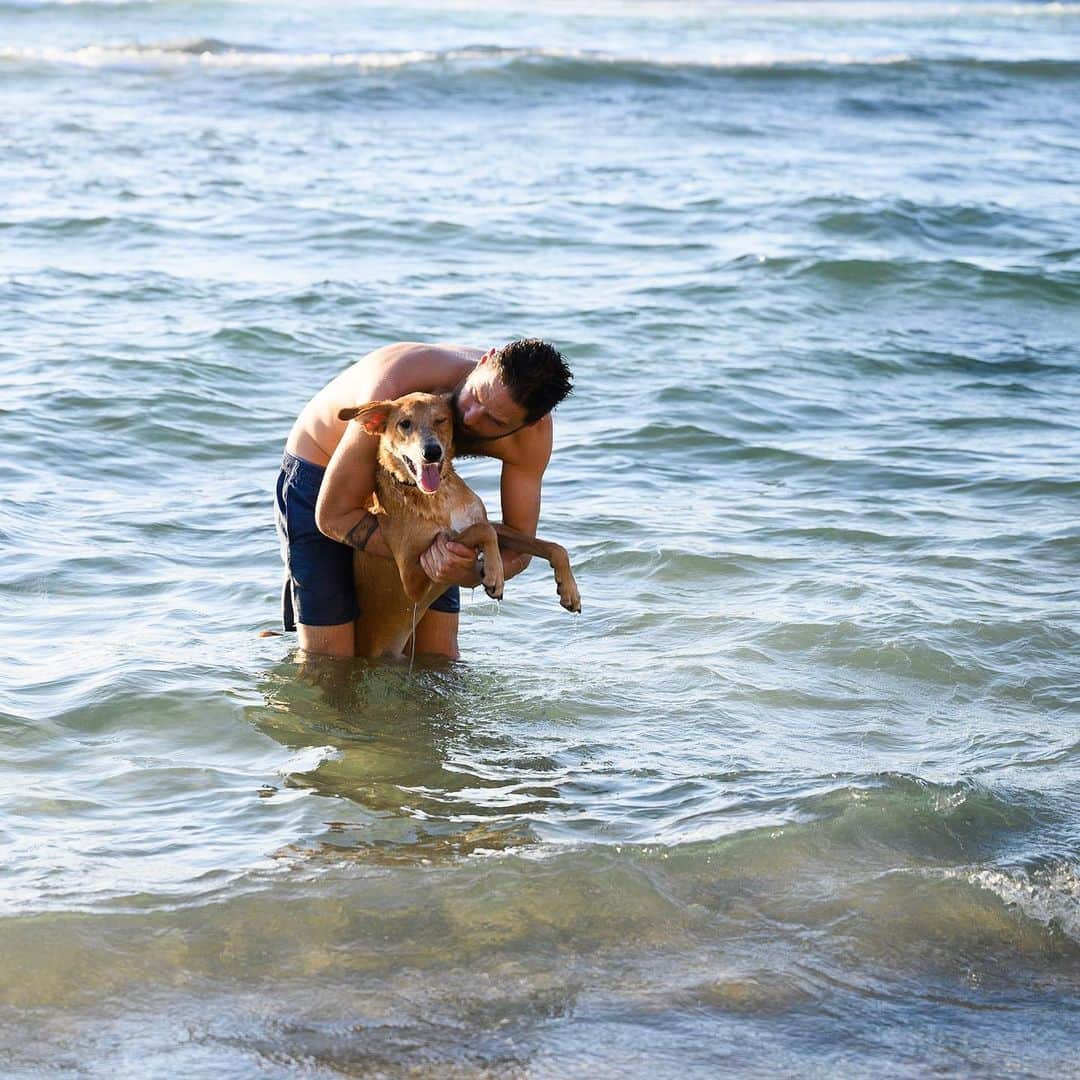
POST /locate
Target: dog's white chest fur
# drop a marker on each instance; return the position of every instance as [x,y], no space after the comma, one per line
[463,516]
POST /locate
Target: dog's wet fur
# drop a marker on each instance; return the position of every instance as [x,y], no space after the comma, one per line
[418,496]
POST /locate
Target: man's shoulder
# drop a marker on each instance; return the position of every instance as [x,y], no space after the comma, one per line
[407,367]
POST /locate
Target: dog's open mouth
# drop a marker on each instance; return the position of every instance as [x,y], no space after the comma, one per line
[427,477]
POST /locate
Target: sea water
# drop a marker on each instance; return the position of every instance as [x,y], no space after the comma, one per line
[799,791]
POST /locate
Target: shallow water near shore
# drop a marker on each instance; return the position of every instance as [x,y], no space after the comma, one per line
[799,791]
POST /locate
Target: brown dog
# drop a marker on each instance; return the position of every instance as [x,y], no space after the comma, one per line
[418,496]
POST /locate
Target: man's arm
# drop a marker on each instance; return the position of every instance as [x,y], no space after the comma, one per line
[520,493]
[341,510]
[519,487]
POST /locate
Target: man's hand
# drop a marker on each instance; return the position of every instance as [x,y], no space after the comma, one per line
[450,563]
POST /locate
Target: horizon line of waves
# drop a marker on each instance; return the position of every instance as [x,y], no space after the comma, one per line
[31,7]
[572,65]
[796,11]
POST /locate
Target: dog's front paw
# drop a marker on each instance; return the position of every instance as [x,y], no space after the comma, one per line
[569,596]
[493,585]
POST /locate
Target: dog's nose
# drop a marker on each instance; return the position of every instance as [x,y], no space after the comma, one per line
[432,452]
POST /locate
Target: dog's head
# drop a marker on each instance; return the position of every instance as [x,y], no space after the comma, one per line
[416,436]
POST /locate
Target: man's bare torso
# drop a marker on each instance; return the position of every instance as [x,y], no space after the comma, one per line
[389,372]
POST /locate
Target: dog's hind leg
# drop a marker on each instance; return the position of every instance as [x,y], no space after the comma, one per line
[556,556]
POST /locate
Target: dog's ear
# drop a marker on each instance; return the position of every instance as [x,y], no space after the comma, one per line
[373,415]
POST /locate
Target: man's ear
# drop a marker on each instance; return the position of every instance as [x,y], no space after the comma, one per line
[372,416]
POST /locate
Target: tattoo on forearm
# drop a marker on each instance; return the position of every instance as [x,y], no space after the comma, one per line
[359,535]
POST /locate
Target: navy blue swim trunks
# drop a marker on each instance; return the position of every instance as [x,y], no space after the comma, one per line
[318,589]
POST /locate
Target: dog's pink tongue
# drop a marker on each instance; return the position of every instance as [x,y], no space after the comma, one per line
[430,477]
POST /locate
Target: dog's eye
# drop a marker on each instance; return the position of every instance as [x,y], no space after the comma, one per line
[404,425]
[443,420]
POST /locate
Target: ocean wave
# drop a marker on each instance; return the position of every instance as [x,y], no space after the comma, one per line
[947,276]
[943,223]
[213,53]
[573,65]
[1049,895]
[875,822]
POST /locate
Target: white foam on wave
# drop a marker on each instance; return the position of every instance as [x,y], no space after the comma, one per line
[181,56]
[1049,896]
[97,56]
[215,55]
[307,760]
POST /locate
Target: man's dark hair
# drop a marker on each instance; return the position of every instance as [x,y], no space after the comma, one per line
[535,374]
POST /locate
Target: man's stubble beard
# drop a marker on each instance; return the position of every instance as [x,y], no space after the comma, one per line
[465,442]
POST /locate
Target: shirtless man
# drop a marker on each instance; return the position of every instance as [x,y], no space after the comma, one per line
[502,402]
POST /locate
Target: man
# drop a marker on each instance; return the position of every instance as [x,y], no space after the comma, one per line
[502,402]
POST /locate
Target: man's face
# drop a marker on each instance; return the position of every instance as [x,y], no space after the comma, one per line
[483,407]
